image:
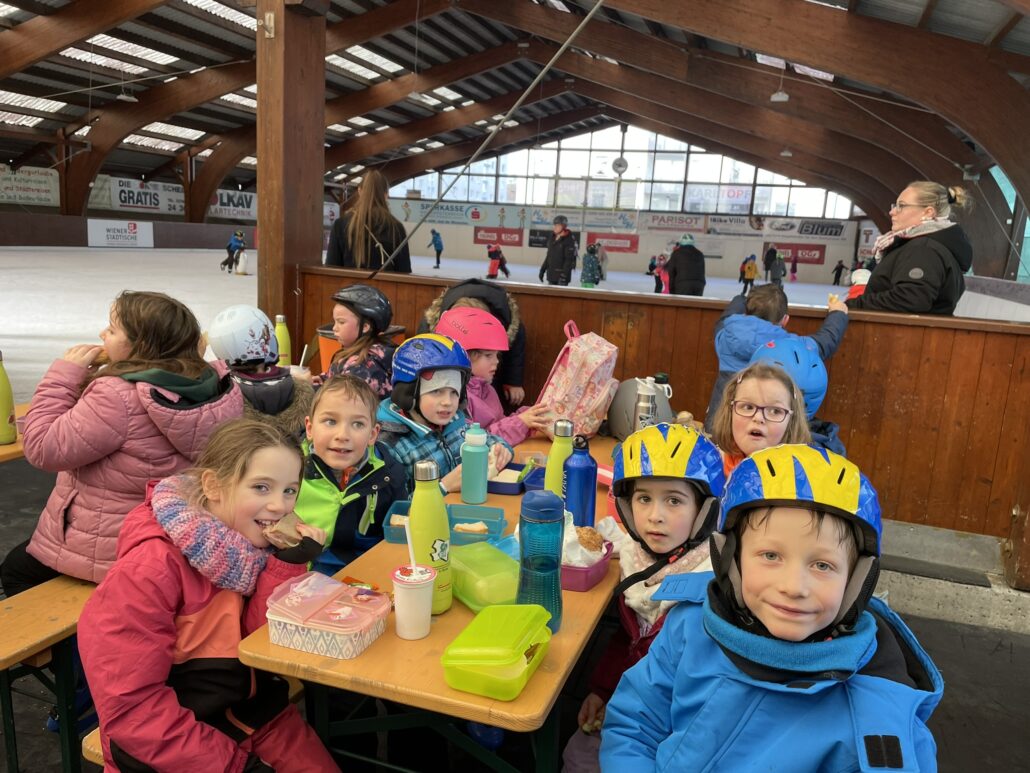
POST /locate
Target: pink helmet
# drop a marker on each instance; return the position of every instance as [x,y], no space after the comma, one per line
[473,329]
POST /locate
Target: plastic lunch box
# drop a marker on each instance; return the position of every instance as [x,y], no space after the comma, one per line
[493,517]
[318,614]
[533,482]
[583,578]
[498,651]
[483,575]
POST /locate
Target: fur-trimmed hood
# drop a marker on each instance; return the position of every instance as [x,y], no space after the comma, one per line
[501,304]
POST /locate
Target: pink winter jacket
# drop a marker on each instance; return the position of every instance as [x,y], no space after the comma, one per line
[104,447]
[484,407]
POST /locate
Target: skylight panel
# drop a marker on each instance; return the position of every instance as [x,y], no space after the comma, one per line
[468,102]
[374,59]
[131,49]
[340,176]
[361,121]
[356,168]
[339,127]
[82,132]
[224,12]
[771,61]
[416,149]
[448,108]
[811,71]
[509,124]
[17,119]
[205,153]
[248,161]
[7,10]
[434,144]
[447,93]
[351,67]
[151,142]
[236,99]
[558,5]
[102,61]
[32,103]
[425,99]
[252,88]
[173,131]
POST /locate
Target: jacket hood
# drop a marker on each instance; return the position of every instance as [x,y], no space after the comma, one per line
[955,241]
[140,525]
[737,341]
[501,304]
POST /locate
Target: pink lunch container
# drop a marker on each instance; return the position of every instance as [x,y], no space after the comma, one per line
[583,578]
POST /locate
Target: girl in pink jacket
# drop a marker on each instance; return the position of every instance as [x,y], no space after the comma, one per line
[484,338]
[159,637]
[107,429]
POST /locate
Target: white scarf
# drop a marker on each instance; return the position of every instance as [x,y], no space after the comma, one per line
[919,229]
[633,558]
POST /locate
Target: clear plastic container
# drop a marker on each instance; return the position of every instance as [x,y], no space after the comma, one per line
[483,575]
[498,651]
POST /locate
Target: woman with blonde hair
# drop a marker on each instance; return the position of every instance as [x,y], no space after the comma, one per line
[368,234]
[921,260]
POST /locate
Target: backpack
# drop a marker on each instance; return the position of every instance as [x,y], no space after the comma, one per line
[580,386]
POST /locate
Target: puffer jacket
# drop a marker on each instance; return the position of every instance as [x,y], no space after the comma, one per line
[504,307]
[484,406]
[105,445]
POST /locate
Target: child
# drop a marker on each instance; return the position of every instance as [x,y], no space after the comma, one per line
[244,338]
[360,319]
[799,358]
[591,273]
[783,661]
[661,275]
[748,322]
[159,636]
[750,274]
[667,483]
[497,262]
[107,431]
[760,408]
[233,250]
[484,339]
[350,481]
[436,242]
[423,417]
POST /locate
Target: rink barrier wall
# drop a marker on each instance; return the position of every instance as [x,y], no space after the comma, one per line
[934,409]
[18,229]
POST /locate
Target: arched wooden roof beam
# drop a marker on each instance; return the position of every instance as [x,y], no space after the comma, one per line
[158,103]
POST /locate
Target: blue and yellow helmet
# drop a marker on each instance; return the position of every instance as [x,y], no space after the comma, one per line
[421,353]
[800,358]
[669,451]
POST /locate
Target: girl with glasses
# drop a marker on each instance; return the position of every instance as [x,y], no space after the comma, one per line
[761,407]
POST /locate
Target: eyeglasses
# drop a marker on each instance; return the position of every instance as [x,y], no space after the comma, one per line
[899,205]
[771,413]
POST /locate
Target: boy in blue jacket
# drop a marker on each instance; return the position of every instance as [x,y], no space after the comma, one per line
[782,661]
[761,316]
[424,418]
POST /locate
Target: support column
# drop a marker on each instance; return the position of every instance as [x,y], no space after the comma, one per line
[290,148]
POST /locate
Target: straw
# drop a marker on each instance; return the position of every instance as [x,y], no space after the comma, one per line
[303,356]
[411,548]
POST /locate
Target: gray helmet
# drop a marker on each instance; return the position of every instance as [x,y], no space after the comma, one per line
[368,303]
[560,220]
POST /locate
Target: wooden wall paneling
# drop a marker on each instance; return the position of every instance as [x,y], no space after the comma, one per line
[902,350]
[406,310]
[981,452]
[659,329]
[925,430]
[844,370]
[869,399]
[690,388]
[636,354]
[1010,483]
[956,417]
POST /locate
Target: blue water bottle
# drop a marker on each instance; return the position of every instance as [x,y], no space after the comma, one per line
[475,458]
[541,532]
[579,483]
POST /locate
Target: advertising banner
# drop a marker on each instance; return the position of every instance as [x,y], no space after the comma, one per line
[806,253]
[796,229]
[868,233]
[618,220]
[330,211]
[119,233]
[544,216]
[451,213]
[615,242]
[670,221]
[506,237]
[29,185]
[137,196]
[233,205]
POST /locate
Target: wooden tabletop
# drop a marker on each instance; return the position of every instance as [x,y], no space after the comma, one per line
[14,450]
[410,671]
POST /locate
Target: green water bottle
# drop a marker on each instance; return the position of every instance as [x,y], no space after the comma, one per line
[561,449]
[282,335]
[431,531]
[8,429]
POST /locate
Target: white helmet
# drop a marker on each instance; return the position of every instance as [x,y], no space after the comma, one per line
[860,276]
[243,335]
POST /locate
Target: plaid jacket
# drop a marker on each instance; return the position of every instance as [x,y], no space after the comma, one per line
[410,441]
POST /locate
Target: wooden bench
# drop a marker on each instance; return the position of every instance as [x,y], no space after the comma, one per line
[93,752]
[36,629]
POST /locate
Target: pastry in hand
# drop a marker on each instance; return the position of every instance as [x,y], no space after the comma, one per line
[283,534]
[590,538]
[101,358]
[477,527]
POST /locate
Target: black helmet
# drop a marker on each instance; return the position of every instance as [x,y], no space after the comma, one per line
[560,220]
[368,303]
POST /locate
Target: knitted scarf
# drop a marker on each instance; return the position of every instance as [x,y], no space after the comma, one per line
[213,548]
[919,229]
[633,558]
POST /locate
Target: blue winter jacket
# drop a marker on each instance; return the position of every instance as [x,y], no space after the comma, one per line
[738,334]
[236,243]
[410,441]
[688,707]
[437,241]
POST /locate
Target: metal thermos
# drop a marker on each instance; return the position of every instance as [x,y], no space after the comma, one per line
[646,410]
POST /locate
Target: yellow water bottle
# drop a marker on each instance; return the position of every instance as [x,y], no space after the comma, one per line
[8,429]
[282,335]
[431,531]
[561,449]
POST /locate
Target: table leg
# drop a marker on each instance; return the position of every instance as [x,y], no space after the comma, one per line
[316,703]
[545,743]
[7,707]
[64,679]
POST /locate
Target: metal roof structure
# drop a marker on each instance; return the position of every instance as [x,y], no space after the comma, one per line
[86,60]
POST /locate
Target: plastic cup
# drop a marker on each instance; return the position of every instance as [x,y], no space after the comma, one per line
[413,600]
[301,371]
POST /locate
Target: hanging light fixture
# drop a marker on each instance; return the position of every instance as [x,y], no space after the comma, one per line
[780,95]
[786,153]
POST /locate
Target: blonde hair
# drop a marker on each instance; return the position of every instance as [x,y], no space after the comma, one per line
[163,333]
[942,199]
[348,386]
[229,450]
[370,219]
[470,303]
[797,423]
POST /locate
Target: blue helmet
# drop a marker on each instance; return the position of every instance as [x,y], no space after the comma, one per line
[799,357]
[812,478]
[424,352]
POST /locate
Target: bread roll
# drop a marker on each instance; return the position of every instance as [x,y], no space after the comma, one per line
[478,527]
[284,534]
[590,538]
